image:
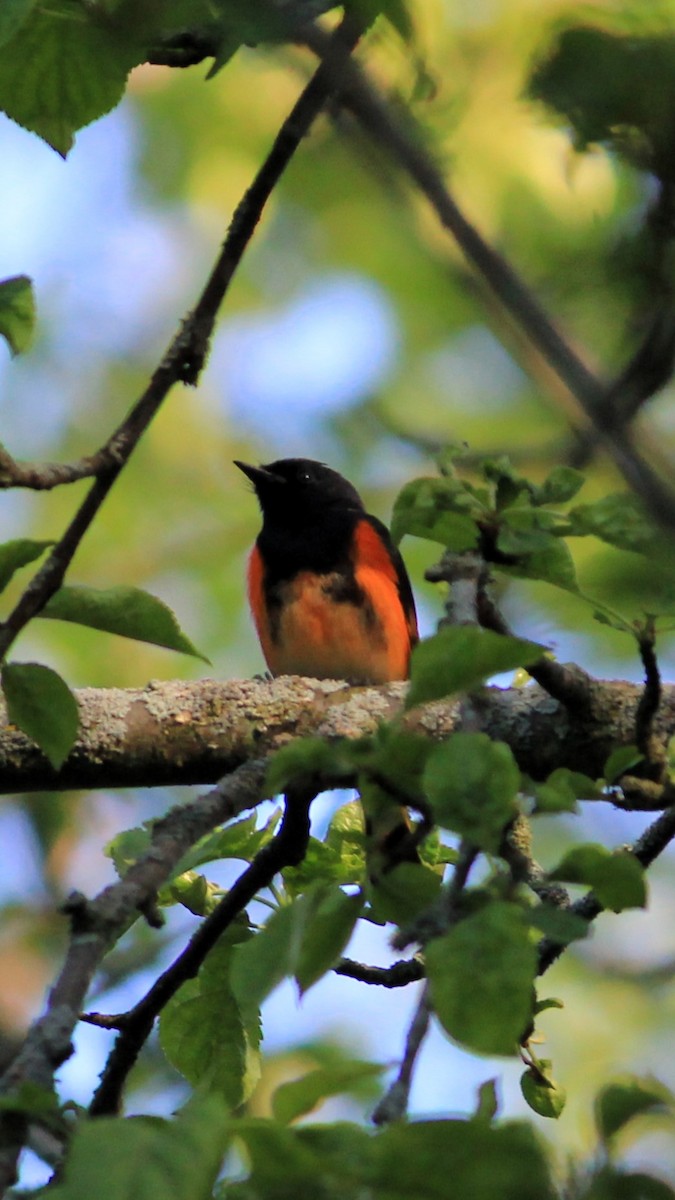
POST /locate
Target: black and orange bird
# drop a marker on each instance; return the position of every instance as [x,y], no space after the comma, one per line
[328,590]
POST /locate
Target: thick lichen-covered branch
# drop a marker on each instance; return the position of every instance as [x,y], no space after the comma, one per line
[195,732]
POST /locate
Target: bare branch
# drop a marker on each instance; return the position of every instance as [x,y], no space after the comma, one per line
[95,925]
[399,974]
[186,355]
[287,849]
[405,142]
[195,732]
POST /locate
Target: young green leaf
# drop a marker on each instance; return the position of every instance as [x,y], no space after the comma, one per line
[126,611]
[470,1160]
[402,893]
[306,758]
[618,519]
[623,759]
[551,562]
[207,1035]
[12,15]
[127,847]
[472,783]
[617,878]
[63,68]
[327,928]
[440,510]
[301,1096]
[541,1092]
[558,924]
[42,705]
[143,1158]
[559,487]
[259,966]
[626,1098]
[487,1102]
[17,302]
[561,791]
[16,554]
[461,658]
[481,974]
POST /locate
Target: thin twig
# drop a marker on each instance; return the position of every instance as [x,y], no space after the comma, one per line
[394,1104]
[186,355]
[650,700]
[399,974]
[405,142]
[646,849]
[287,849]
[96,925]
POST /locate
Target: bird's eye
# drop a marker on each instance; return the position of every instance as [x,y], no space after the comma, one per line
[305,477]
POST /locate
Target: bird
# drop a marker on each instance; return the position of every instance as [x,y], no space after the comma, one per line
[328,590]
[331,599]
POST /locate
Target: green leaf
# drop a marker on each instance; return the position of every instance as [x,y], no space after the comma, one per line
[550,562]
[327,928]
[618,519]
[126,611]
[617,878]
[611,1183]
[259,966]
[307,758]
[16,554]
[472,784]
[321,864]
[127,847]
[143,1158]
[460,658]
[17,302]
[205,1034]
[12,15]
[42,705]
[63,68]
[546,1003]
[402,893]
[623,759]
[558,924]
[439,510]
[439,1159]
[562,789]
[541,1092]
[346,839]
[240,839]
[626,1098]
[559,487]
[480,975]
[487,1102]
[301,1096]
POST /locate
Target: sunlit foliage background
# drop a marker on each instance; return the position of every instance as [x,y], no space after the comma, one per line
[353,333]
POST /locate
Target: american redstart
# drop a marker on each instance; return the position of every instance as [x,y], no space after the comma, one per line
[329,593]
[328,590]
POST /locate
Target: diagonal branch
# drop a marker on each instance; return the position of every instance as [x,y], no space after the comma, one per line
[186,355]
[95,925]
[287,849]
[404,141]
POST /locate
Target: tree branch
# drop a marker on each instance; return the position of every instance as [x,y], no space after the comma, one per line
[404,141]
[286,850]
[95,925]
[186,355]
[195,732]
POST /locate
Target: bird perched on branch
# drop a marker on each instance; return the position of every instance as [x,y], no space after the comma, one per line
[331,599]
[328,590]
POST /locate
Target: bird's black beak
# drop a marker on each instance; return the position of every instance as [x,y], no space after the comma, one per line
[260,477]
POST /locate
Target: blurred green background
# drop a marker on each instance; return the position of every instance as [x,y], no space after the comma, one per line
[353,333]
